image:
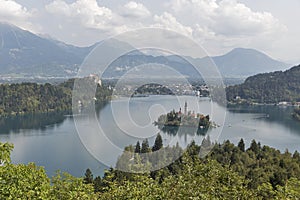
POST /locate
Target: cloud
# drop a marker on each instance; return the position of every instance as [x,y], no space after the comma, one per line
[220,25]
[198,18]
[135,10]
[232,18]
[87,12]
[226,17]
[168,21]
[12,12]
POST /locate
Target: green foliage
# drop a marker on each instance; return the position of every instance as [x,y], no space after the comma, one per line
[152,89]
[228,172]
[23,182]
[88,176]
[241,145]
[290,190]
[33,98]
[158,143]
[177,123]
[271,87]
[145,146]
[195,180]
[24,98]
[5,149]
[31,182]
[65,186]
[137,147]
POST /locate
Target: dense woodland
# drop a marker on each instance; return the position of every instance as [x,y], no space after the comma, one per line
[24,98]
[271,87]
[227,172]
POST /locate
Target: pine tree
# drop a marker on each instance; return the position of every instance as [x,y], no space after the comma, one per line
[254,147]
[97,184]
[88,176]
[137,147]
[145,146]
[158,144]
[241,145]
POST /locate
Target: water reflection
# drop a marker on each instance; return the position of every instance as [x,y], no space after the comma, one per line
[31,121]
[38,121]
[270,113]
[54,142]
[174,130]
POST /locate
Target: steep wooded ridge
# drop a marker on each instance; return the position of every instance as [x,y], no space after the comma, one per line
[271,87]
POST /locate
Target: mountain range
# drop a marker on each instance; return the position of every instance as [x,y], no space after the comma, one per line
[26,54]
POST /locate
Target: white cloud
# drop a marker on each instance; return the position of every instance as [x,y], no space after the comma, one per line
[135,10]
[168,21]
[220,25]
[87,12]
[226,17]
[232,18]
[12,12]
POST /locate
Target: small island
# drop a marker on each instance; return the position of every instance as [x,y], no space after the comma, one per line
[187,119]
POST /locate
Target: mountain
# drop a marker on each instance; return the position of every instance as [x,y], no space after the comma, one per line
[26,54]
[271,87]
[239,62]
[246,62]
[124,63]
[23,52]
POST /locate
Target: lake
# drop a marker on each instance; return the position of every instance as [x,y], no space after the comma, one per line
[52,140]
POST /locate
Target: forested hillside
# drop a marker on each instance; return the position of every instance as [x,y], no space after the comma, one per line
[23,98]
[268,88]
[227,172]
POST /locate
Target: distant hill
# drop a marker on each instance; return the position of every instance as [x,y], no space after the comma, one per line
[246,62]
[271,87]
[26,54]
[23,52]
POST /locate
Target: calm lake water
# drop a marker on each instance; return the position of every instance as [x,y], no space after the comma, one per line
[52,141]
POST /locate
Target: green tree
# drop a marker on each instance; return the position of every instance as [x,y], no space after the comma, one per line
[241,145]
[23,182]
[97,184]
[254,147]
[88,176]
[158,143]
[145,146]
[5,149]
[65,186]
[137,147]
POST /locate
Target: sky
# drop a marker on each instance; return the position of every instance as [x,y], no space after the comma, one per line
[270,26]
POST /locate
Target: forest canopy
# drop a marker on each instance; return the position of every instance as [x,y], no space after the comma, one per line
[24,98]
[228,172]
[271,87]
